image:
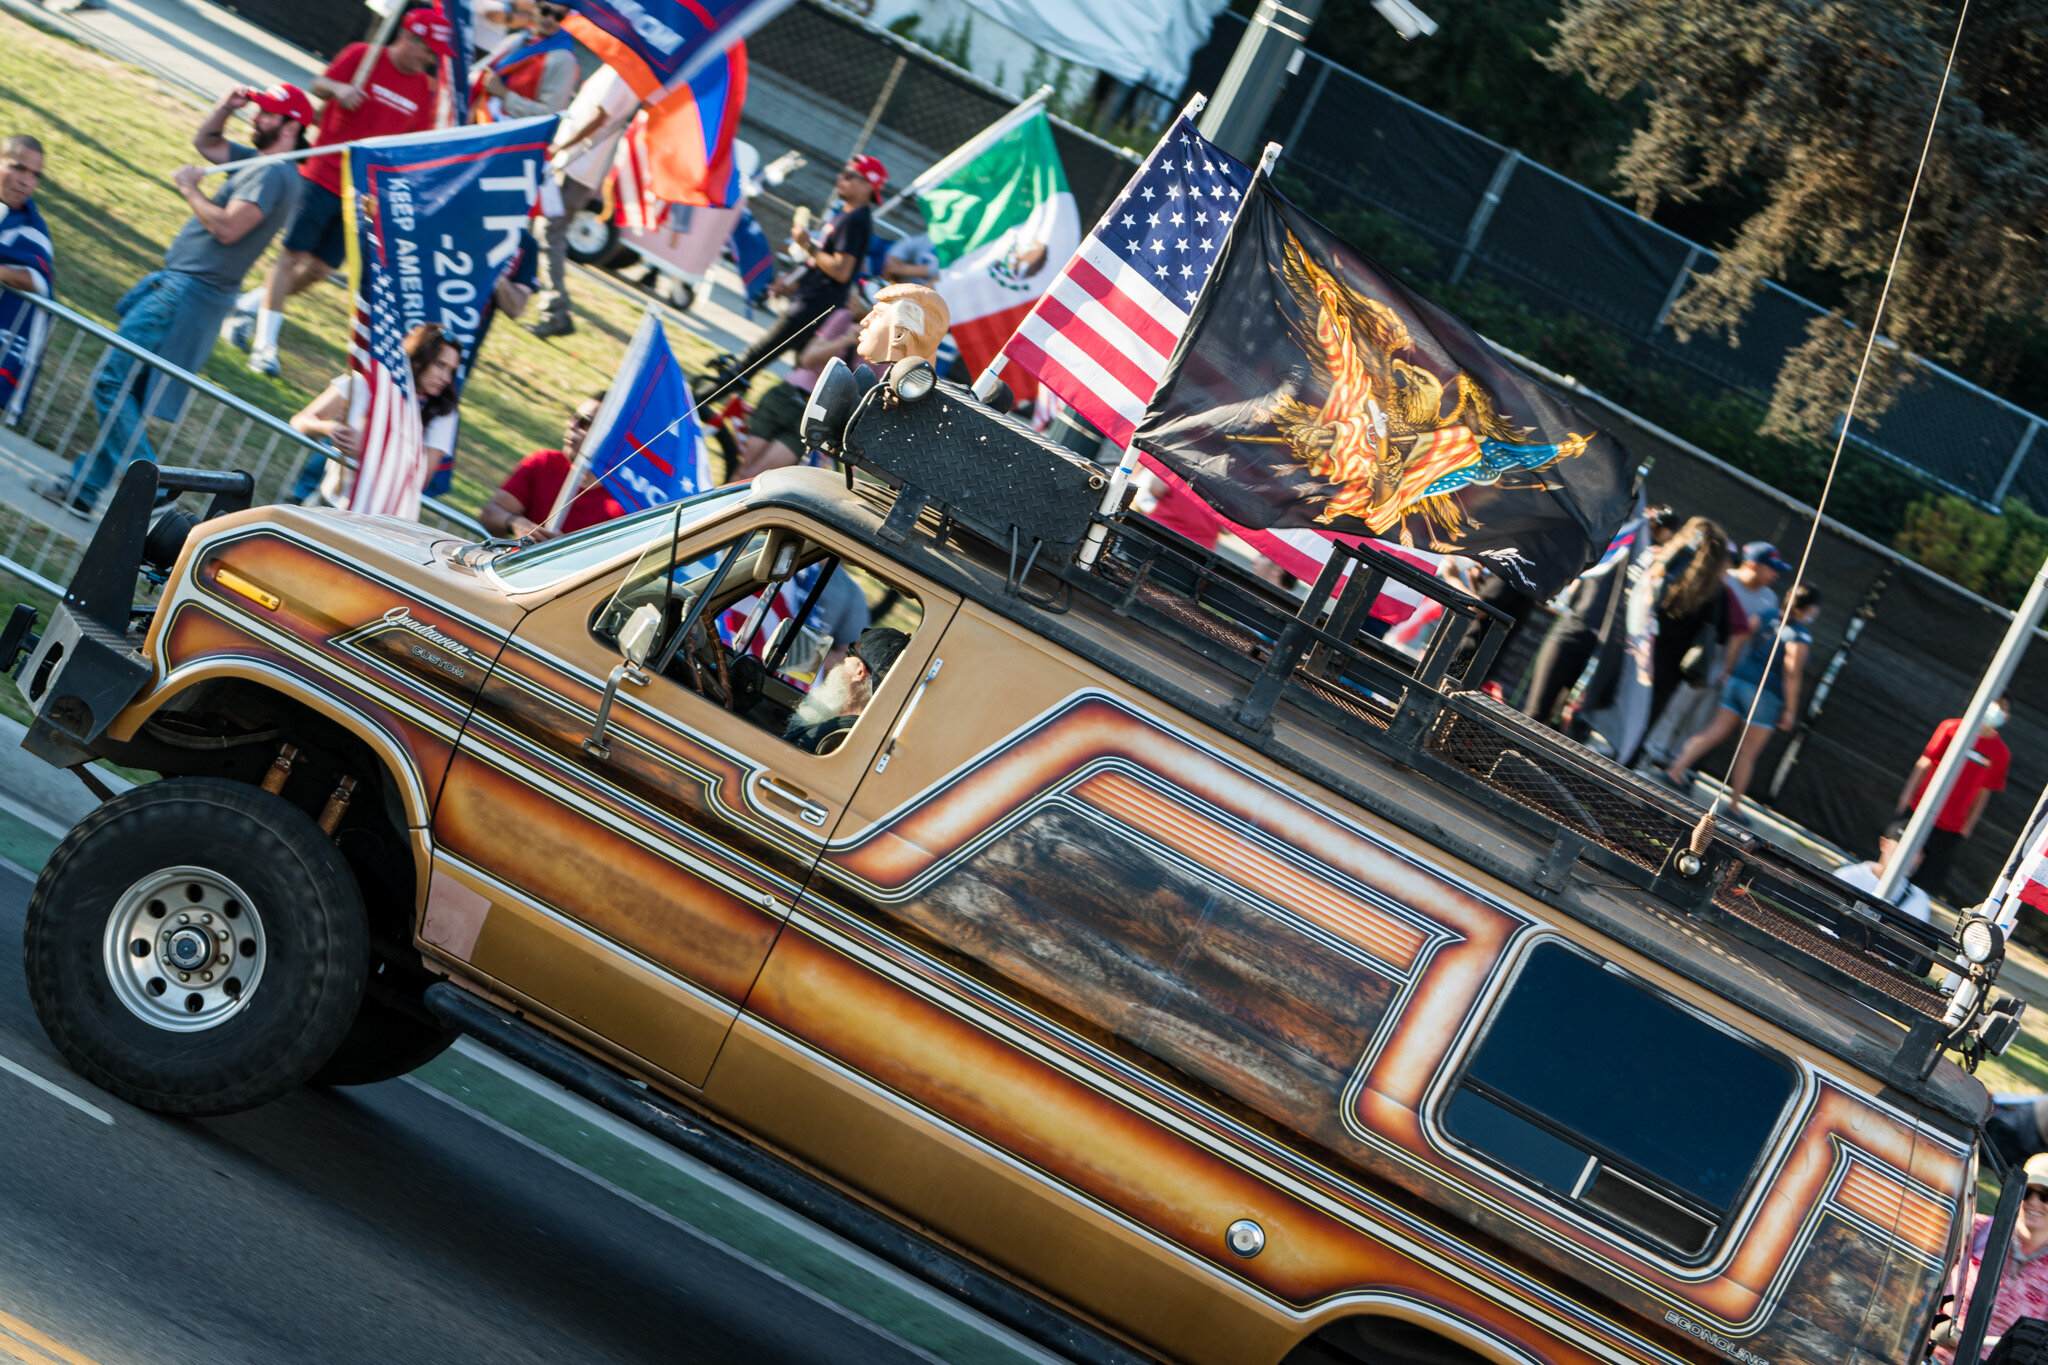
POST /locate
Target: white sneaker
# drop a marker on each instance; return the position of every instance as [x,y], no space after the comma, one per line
[263,360]
[238,329]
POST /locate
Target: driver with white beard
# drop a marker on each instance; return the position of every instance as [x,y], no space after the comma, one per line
[838,698]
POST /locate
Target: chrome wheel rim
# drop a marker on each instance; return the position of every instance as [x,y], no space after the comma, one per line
[184,949]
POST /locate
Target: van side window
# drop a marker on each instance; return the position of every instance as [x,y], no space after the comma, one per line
[1618,1100]
[773,641]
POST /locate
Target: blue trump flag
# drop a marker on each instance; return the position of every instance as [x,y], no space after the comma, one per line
[658,45]
[645,447]
[435,219]
[453,87]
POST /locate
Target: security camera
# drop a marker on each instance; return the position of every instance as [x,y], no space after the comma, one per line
[1408,21]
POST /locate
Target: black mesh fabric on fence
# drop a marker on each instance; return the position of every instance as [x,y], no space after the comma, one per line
[819,78]
[1924,644]
[1490,215]
[322,30]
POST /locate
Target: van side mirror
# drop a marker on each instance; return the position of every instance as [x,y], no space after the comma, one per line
[637,636]
[636,642]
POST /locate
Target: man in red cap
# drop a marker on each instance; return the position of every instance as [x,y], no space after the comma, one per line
[361,101]
[830,264]
[177,311]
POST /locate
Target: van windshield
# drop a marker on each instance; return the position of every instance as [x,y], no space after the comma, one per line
[552,561]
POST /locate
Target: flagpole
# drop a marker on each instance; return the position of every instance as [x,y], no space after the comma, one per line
[363,144]
[600,429]
[985,382]
[962,154]
[1113,496]
[377,45]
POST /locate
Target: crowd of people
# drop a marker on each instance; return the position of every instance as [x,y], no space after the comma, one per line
[1663,656]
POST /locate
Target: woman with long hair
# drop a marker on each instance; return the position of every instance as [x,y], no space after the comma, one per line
[1761,695]
[435,357]
[1677,594]
[1692,599]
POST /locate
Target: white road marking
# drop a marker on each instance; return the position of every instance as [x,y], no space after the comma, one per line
[55,1091]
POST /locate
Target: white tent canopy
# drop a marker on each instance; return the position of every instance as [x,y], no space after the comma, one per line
[1148,42]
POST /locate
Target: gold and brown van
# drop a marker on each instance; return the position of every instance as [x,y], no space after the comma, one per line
[1157,958]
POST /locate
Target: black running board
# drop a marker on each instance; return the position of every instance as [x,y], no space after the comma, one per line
[765,1173]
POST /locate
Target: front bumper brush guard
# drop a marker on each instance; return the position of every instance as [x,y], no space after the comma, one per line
[81,670]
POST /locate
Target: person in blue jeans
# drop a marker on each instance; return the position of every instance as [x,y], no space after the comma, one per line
[176,312]
[1762,692]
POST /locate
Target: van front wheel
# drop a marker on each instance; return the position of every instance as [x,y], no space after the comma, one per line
[196,947]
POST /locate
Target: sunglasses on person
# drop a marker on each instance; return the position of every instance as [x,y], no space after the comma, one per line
[579,422]
[555,12]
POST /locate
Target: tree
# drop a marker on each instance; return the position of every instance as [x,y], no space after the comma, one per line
[1821,107]
[1481,68]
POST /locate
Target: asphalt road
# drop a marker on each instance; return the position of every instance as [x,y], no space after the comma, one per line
[375,1224]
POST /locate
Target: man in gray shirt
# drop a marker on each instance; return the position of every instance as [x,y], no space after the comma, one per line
[176,312]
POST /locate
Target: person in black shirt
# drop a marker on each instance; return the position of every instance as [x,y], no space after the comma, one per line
[832,264]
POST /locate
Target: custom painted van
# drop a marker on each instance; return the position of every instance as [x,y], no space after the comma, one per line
[1155,958]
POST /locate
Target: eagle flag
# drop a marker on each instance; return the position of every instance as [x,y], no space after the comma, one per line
[1313,390]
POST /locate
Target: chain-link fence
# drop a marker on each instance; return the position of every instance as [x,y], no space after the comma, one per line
[1492,215]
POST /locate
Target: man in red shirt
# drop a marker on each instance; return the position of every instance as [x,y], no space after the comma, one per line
[1982,774]
[396,97]
[521,507]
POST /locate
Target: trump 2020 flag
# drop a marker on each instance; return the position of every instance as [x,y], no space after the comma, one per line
[24,328]
[451,91]
[645,446]
[434,220]
[1313,390]
[687,62]
[658,45]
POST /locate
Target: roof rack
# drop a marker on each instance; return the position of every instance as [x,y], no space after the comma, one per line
[1320,654]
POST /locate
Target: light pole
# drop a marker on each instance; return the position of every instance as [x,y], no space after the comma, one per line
[1236,117]
[1989,689]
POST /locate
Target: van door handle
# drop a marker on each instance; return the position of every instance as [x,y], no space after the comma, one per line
[909,710]
[810,812]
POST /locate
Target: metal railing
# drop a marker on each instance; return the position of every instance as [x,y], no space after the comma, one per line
[154,410]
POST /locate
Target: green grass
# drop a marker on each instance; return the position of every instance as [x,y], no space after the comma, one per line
[114,134]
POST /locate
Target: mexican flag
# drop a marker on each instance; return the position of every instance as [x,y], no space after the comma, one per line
[1002,223]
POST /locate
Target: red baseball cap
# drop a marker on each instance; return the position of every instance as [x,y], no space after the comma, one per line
[287,100]
[871,170]
[433,30]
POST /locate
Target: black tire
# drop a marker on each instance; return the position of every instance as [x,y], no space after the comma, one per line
[388,1039]
[272,887]
[592,240]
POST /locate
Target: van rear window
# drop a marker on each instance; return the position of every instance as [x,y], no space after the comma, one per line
[1618,1100]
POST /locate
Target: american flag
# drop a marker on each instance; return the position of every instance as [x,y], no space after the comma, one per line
[384,409]
[632,184]
[1102,334]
